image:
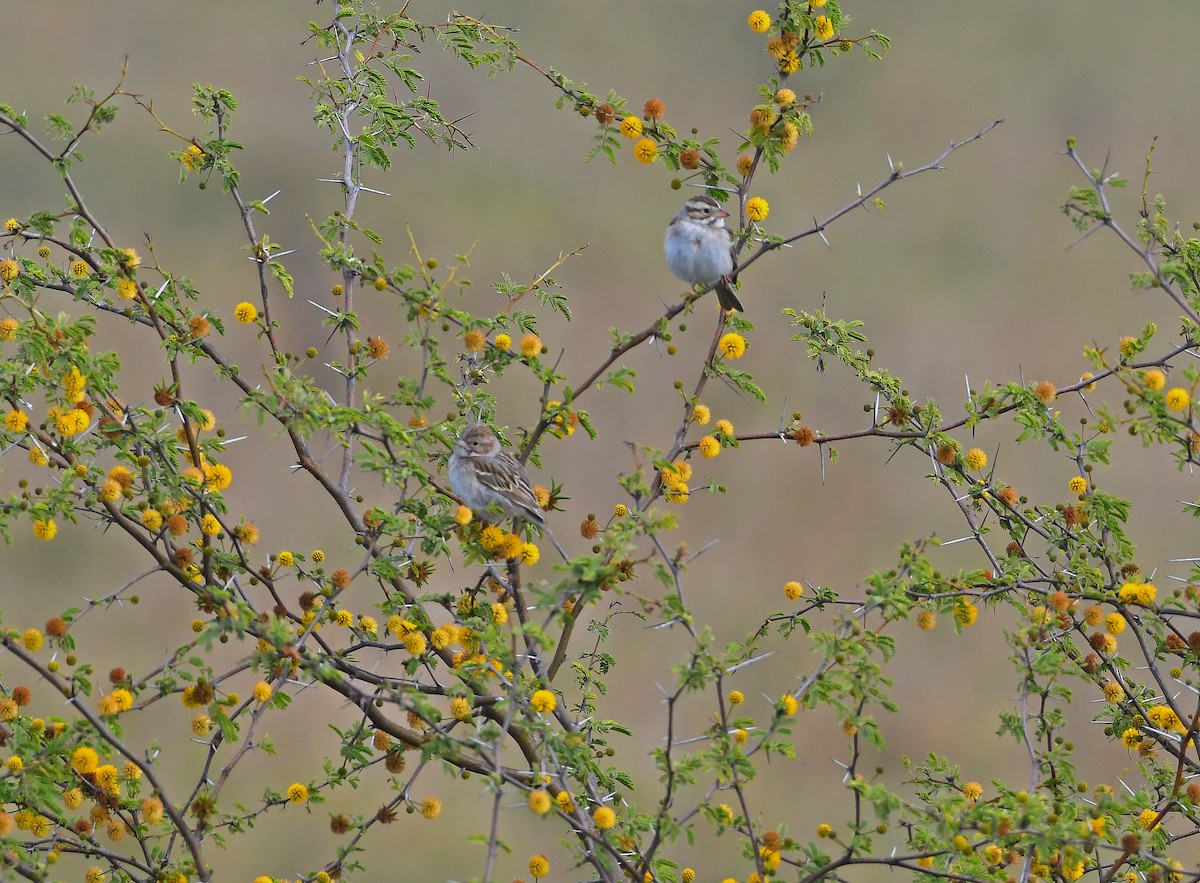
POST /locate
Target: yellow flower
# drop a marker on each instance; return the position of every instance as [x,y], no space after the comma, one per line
[209,525]
[785,97]
[645,151]
[460,708]
[245,312]
[152,810]
[8,328]
[85,760]
[1131,738]
[709,447]
[824,27]
[539,802]
[502,342]
[790,63]
[543,700]
[12,225]
[368,625]
[297,793]
[192,157]
[539,866]
[431,807]
[202,725]
[38,458]
[33,640]
[759,21]
[491,537]
[73,422]
[1091,387]
[1165,718]
[463,515]
[415,643]
[815,4]
[73,384]
[15,764]
[509,547]
[129,258]
[286,559]
[531,345]
[1178,399]
[474,341]
[736,697]
[631,128]
[787,704]
[262,691]
[793,590]
[604,818]
[1113,692]
[9,270]
[620,510]
[79,269]
[757,208]
[1146,819]
[1114,623]
[217,476]
[127,289]
[530,554]
[824,830]
[732,345]
[976,458]
[965,613]
[701,414]
[123,698]
[1155,379]
[744,165]
[972,791]
[1077,485]
[16,421]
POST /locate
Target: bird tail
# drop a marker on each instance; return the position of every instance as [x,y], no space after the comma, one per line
[727,298]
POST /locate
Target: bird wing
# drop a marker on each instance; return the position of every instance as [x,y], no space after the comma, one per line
[507,477]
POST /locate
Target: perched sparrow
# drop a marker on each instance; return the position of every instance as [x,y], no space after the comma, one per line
[485,475]
[699,247]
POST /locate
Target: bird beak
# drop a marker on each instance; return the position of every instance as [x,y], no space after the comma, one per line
[721,213]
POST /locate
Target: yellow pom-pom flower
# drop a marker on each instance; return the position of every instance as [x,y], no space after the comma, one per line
[824,27]
[976,458]
[793,590]
[709,447]
[1077,485]
[543,701]
[531,345]
[759,21]
[645,151]
[1178,399]
[757,208]
[732,345]
[245,312]
[297,793]
[631,128]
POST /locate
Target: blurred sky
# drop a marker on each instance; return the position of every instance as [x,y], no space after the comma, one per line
[967,275]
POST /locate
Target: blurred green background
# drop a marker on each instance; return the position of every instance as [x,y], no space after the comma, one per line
[967,275]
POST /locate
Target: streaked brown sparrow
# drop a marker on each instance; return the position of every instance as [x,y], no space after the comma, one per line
[488,477]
